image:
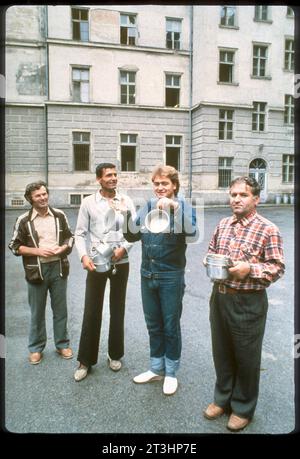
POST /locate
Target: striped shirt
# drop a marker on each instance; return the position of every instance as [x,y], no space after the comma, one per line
[256,240]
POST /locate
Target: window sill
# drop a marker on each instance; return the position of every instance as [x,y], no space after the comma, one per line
[222,26]
[259,132]
[288,70]
[226,140]
[256,77]
[265,21]
[227,83]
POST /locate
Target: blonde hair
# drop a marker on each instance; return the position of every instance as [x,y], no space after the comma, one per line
[169,172]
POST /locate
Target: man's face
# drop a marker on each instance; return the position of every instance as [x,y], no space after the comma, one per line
[109,179]
[163,187]
[40,199]
[242,201]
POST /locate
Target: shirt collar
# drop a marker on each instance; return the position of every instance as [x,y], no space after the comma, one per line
[35,213]
[245,220]
[99,196]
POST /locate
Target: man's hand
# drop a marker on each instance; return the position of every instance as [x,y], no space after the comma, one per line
[204,261]
[44,252]
[165,203]
[87,263]
[119,253]
[240,270]
[60,249]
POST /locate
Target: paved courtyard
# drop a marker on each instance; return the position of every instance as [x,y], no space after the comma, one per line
[45,398]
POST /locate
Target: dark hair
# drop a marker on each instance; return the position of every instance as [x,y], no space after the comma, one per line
[250,181]
[101,166]
[32,187]
[169,172]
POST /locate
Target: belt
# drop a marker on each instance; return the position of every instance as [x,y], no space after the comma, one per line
[234,291]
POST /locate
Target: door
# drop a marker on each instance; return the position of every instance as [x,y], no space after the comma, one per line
[258,170]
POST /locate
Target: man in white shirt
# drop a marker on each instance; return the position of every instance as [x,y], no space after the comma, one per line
[93,223]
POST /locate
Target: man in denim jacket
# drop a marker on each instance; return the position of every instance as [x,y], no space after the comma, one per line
[162,274]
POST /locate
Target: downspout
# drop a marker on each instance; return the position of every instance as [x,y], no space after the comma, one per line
[47,94]
[191,102]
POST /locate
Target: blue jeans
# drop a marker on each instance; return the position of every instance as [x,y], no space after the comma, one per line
[162,295]
[37,298]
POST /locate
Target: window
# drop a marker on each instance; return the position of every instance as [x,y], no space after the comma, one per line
[80,24]
[290,12]
[288,168]
[17,202]
[288,109]
[76,199]
[128,152]
[226,66]
[80,80]
[172,90]
[289,54]
[127,82]
[228,16]
[173,150]
[259,60]
[128,31]
[261,13]
[258,116]
[225,172]
[225,124]
[173,33]
[81,150]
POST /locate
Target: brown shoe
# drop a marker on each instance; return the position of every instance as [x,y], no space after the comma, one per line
[213,411]
[65,353]
[35,357]
[237,423]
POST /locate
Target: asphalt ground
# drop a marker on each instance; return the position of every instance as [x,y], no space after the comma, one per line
[45,398]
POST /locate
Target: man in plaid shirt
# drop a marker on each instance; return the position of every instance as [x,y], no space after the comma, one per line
[239,304]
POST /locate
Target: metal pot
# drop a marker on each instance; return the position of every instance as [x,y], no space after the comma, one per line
[157,221]
[217,266]
[104,249]
[102,263]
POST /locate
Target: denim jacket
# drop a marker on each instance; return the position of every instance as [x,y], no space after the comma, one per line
[163,252]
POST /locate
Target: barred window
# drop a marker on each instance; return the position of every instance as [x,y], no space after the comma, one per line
[225,124]
[288,168]
[258,116]
[173,33]
[288,109]
[128,152]
[80,24]
[225,172]
[81,151]
[173,150]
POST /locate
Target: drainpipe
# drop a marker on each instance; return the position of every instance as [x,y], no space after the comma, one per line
[47,94]
[191,102]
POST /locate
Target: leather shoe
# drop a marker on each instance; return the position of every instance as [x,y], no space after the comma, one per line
[147,376]
[236,423]
[35,357]
[170,385]
[65,353]
[81,373]
[213,411]
[114,365]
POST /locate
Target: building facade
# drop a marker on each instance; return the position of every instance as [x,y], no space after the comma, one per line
[207,89]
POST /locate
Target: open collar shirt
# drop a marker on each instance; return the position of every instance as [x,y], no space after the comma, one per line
[253,239]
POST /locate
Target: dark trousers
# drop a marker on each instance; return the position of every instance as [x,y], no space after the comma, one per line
[92,317]
[237,328]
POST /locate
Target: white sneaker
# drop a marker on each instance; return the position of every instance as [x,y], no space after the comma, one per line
[170,385]
[147,376]
[80,373]
[114,365]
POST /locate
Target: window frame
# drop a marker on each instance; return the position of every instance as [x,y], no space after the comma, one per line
[225,167]
[173,86]
[80,68]
[173,47]
[81,143]
[129,144]
[265,59]
[226,25]
[259,114]
[229,64]
[289,55]
[128,85]
[80,21]
[227,121]
[289,109]
[258,13]
[129,26]
[288,169]
[174,145]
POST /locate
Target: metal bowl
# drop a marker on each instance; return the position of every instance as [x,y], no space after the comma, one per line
[157,221]
[217,266]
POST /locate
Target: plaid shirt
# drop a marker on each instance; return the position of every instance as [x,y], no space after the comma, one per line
[256,240]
